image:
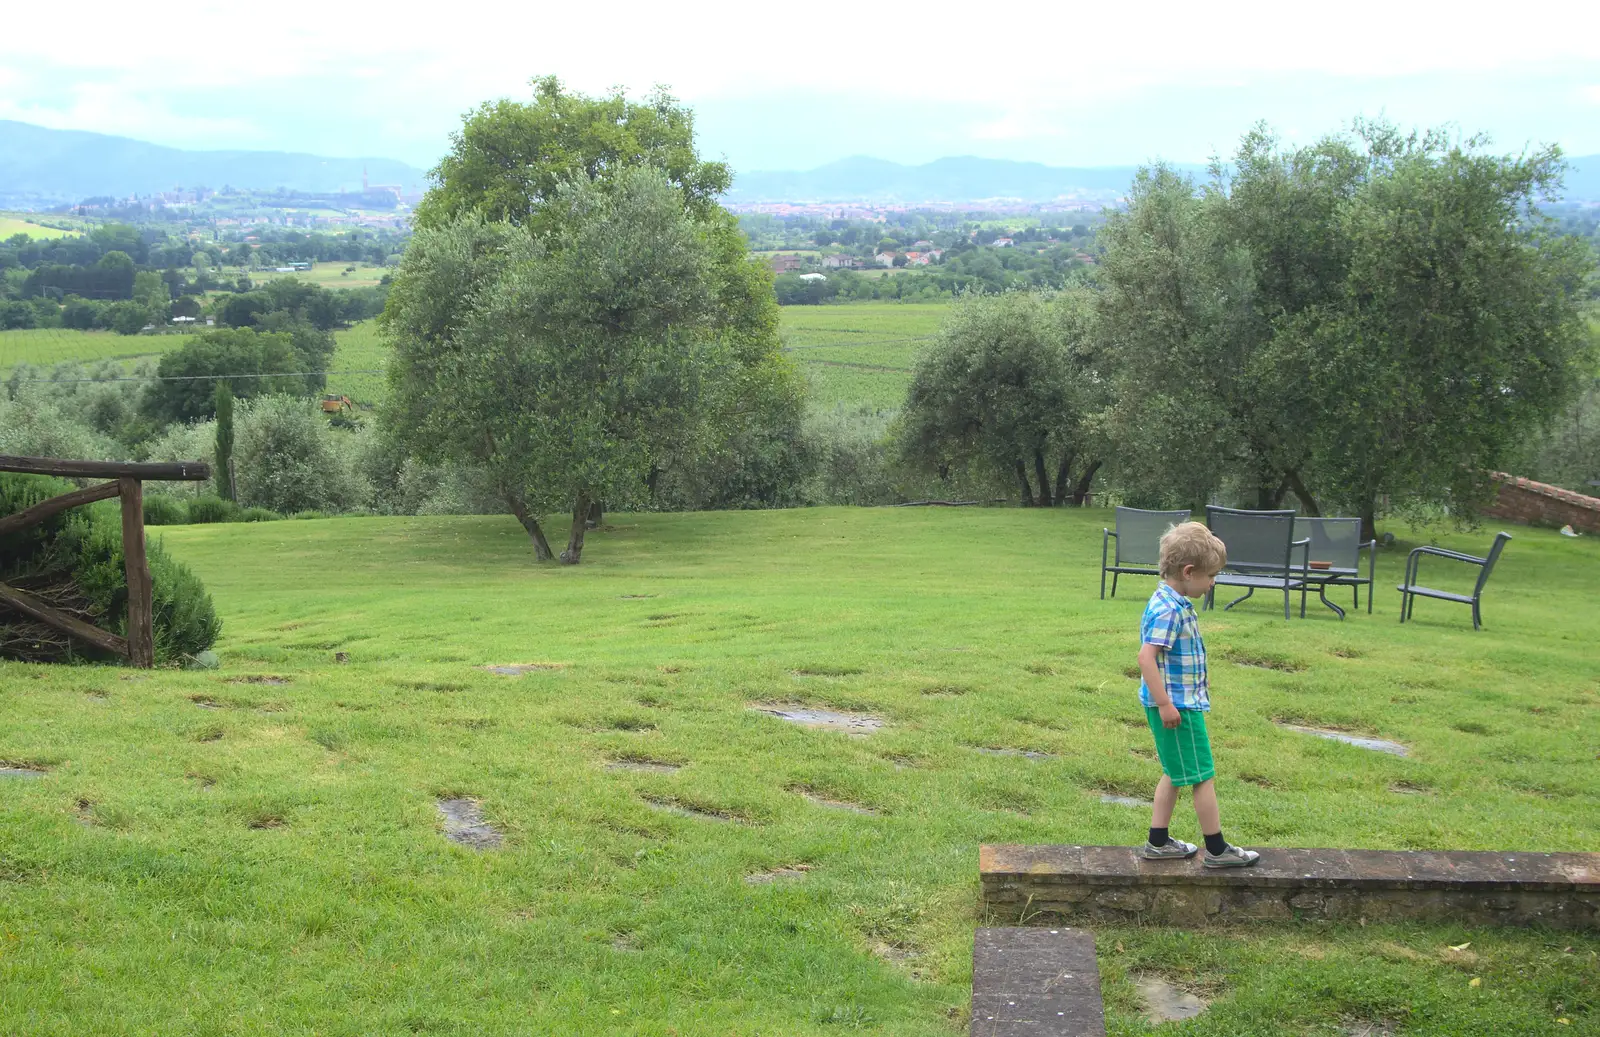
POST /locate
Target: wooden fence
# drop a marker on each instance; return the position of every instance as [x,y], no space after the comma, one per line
[139,646]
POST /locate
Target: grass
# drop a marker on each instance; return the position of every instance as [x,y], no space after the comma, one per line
[11,225]
[861,353]
[273,863]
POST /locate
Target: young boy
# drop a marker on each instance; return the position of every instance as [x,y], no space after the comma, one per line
[1172,660]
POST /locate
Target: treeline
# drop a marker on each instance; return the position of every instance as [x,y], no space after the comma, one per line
[129,279]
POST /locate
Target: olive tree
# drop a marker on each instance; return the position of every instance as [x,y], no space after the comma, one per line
[1008,389]
[563,363]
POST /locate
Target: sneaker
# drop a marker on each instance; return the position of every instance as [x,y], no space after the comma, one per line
[1170,850]
[1232,857]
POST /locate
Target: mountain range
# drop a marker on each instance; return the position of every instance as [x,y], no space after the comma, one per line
[40,168]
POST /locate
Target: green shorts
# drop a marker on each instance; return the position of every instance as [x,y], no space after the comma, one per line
[1185,750]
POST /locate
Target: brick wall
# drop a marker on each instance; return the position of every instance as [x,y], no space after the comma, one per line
[1540,504]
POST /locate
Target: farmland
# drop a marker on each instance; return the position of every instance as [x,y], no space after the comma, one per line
[854,355]
[258,847]
[11,225]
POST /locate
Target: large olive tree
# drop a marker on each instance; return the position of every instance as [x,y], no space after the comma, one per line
[563,364]
[505,192]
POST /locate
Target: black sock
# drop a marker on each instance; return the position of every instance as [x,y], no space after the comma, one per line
[1215,844]
[1158,837]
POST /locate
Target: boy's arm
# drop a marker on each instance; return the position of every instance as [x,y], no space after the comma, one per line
[1150,668]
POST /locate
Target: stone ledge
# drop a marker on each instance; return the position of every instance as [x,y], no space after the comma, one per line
[1036,883]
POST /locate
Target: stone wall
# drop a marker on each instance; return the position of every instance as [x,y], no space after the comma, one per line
[1044,884]
[1540,504]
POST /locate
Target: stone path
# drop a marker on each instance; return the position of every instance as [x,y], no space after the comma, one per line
[1036,982]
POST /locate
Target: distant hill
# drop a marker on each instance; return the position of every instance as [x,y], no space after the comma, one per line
[968,179]
[41,167]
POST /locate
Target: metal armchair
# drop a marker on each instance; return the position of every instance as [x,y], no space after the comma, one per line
[1138,536]
[1410,590]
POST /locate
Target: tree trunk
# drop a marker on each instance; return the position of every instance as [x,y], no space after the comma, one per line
[1045,499]
[1308,504]
[580,523]
[1081,492]
[597,514]
[541,546]
[1022,478]
[1369,522]
[1062,472]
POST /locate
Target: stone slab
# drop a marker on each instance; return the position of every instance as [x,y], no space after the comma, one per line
[1031,982]
[1560,890]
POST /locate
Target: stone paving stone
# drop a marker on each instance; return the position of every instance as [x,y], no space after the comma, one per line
[1036,982]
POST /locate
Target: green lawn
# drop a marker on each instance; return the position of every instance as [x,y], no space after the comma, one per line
[219,853]
[331,275]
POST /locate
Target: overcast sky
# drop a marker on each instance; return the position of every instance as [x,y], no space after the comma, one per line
[792,86]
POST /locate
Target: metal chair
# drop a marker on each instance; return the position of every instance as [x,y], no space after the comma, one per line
[1410,589]
[1261,546]
[1338,541]
[1138,535]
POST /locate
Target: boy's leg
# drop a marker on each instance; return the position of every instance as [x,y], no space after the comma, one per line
[1206,809]
[1166,799]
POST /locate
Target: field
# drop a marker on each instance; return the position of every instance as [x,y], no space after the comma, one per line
[358,350]
[12,225]
[861,353]
[332,275]
[257,849]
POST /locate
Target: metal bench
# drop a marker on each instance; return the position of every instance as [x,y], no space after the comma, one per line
[1138,536]
[1261,554]
[1411,590]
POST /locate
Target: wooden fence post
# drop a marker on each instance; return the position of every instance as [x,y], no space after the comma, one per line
[141,631]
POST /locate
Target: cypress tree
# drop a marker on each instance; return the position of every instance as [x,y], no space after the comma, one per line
[224,440]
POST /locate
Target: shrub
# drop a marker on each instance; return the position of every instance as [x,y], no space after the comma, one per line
[162,510]
[212,509]
[309,515]
[289,460]
[258,515]
[73,561]
[237,351]
[196,442]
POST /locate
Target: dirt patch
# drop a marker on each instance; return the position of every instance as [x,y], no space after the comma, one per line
[644,766]
[1259,780]
[1041,669]
[824,719]
[464,824]
[1364,1028]
[1377,745]
[836,804]
[518,669]
[672,806]
[1165,1003]
[1031,754]
[22,770]
[635,597]
[259,678]
[1410,788]
[205,781]
[206,702]
[827,671]
[263,822]
[944,691]
[792,873]
[1264,662]
[1112,799]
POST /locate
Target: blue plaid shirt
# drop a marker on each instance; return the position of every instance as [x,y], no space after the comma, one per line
[1170,624]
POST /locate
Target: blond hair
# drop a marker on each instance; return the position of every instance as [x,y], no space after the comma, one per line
[1191,543]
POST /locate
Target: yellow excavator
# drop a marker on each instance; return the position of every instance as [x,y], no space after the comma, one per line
[332,403]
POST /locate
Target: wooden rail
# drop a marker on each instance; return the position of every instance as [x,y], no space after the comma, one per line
[139,646]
